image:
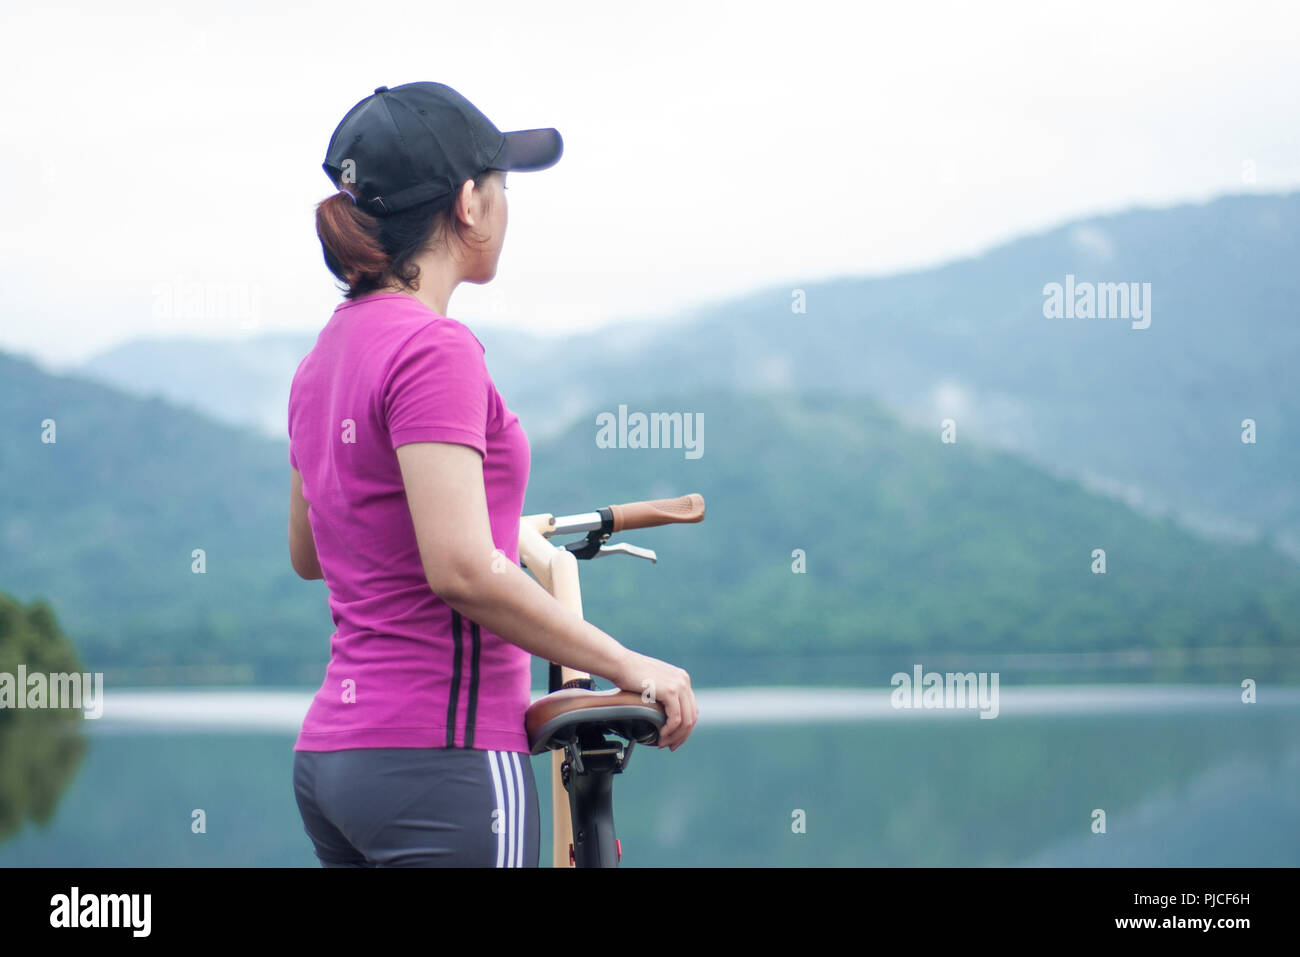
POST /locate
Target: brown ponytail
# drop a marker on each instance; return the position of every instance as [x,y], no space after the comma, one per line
[349,238]
[369,253]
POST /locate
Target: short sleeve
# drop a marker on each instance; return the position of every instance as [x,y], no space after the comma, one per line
[437,388]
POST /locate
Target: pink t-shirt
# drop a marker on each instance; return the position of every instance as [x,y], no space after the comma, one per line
[405,669]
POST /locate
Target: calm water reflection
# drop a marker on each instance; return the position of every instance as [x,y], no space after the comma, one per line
[1186,775]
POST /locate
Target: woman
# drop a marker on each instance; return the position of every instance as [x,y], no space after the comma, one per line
[407,484]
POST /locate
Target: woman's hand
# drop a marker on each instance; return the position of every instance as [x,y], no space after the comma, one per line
[667,684]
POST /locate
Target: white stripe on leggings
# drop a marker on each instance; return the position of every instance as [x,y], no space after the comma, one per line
[523,831]
[502,821]
[511,837]
[512,833]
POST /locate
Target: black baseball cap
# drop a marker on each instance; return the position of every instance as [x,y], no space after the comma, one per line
[419,142]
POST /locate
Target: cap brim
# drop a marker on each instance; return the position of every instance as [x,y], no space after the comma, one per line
[527,150]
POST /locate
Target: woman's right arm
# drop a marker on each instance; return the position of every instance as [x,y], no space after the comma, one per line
[445,492]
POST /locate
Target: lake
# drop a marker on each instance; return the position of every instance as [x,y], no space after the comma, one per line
[1186,776]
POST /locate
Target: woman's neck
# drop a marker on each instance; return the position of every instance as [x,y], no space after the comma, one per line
[438,279]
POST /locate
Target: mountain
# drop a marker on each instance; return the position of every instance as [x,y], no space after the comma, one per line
[245,382]
[104,522]
[913,547]
[1153,416]
[238,382]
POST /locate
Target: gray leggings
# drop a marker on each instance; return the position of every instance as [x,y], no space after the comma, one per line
[419,807]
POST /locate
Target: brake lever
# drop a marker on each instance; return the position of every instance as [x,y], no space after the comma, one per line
[623,548]
[593,546]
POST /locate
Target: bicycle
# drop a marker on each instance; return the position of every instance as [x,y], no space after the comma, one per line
[573,719]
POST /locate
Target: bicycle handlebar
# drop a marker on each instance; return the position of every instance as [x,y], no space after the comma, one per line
[660,511]
[618,518]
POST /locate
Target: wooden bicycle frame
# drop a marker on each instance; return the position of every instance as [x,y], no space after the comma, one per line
[556,570]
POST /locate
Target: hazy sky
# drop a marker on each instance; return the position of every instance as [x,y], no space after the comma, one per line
[151,151]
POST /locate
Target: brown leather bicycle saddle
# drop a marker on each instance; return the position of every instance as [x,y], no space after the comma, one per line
[555,720]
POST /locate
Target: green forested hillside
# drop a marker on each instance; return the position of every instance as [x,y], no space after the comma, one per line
[912,546]
[104,522]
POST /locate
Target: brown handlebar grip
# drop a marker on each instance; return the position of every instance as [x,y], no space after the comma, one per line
[661,511]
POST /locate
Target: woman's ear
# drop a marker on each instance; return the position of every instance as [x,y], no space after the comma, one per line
[464,203]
